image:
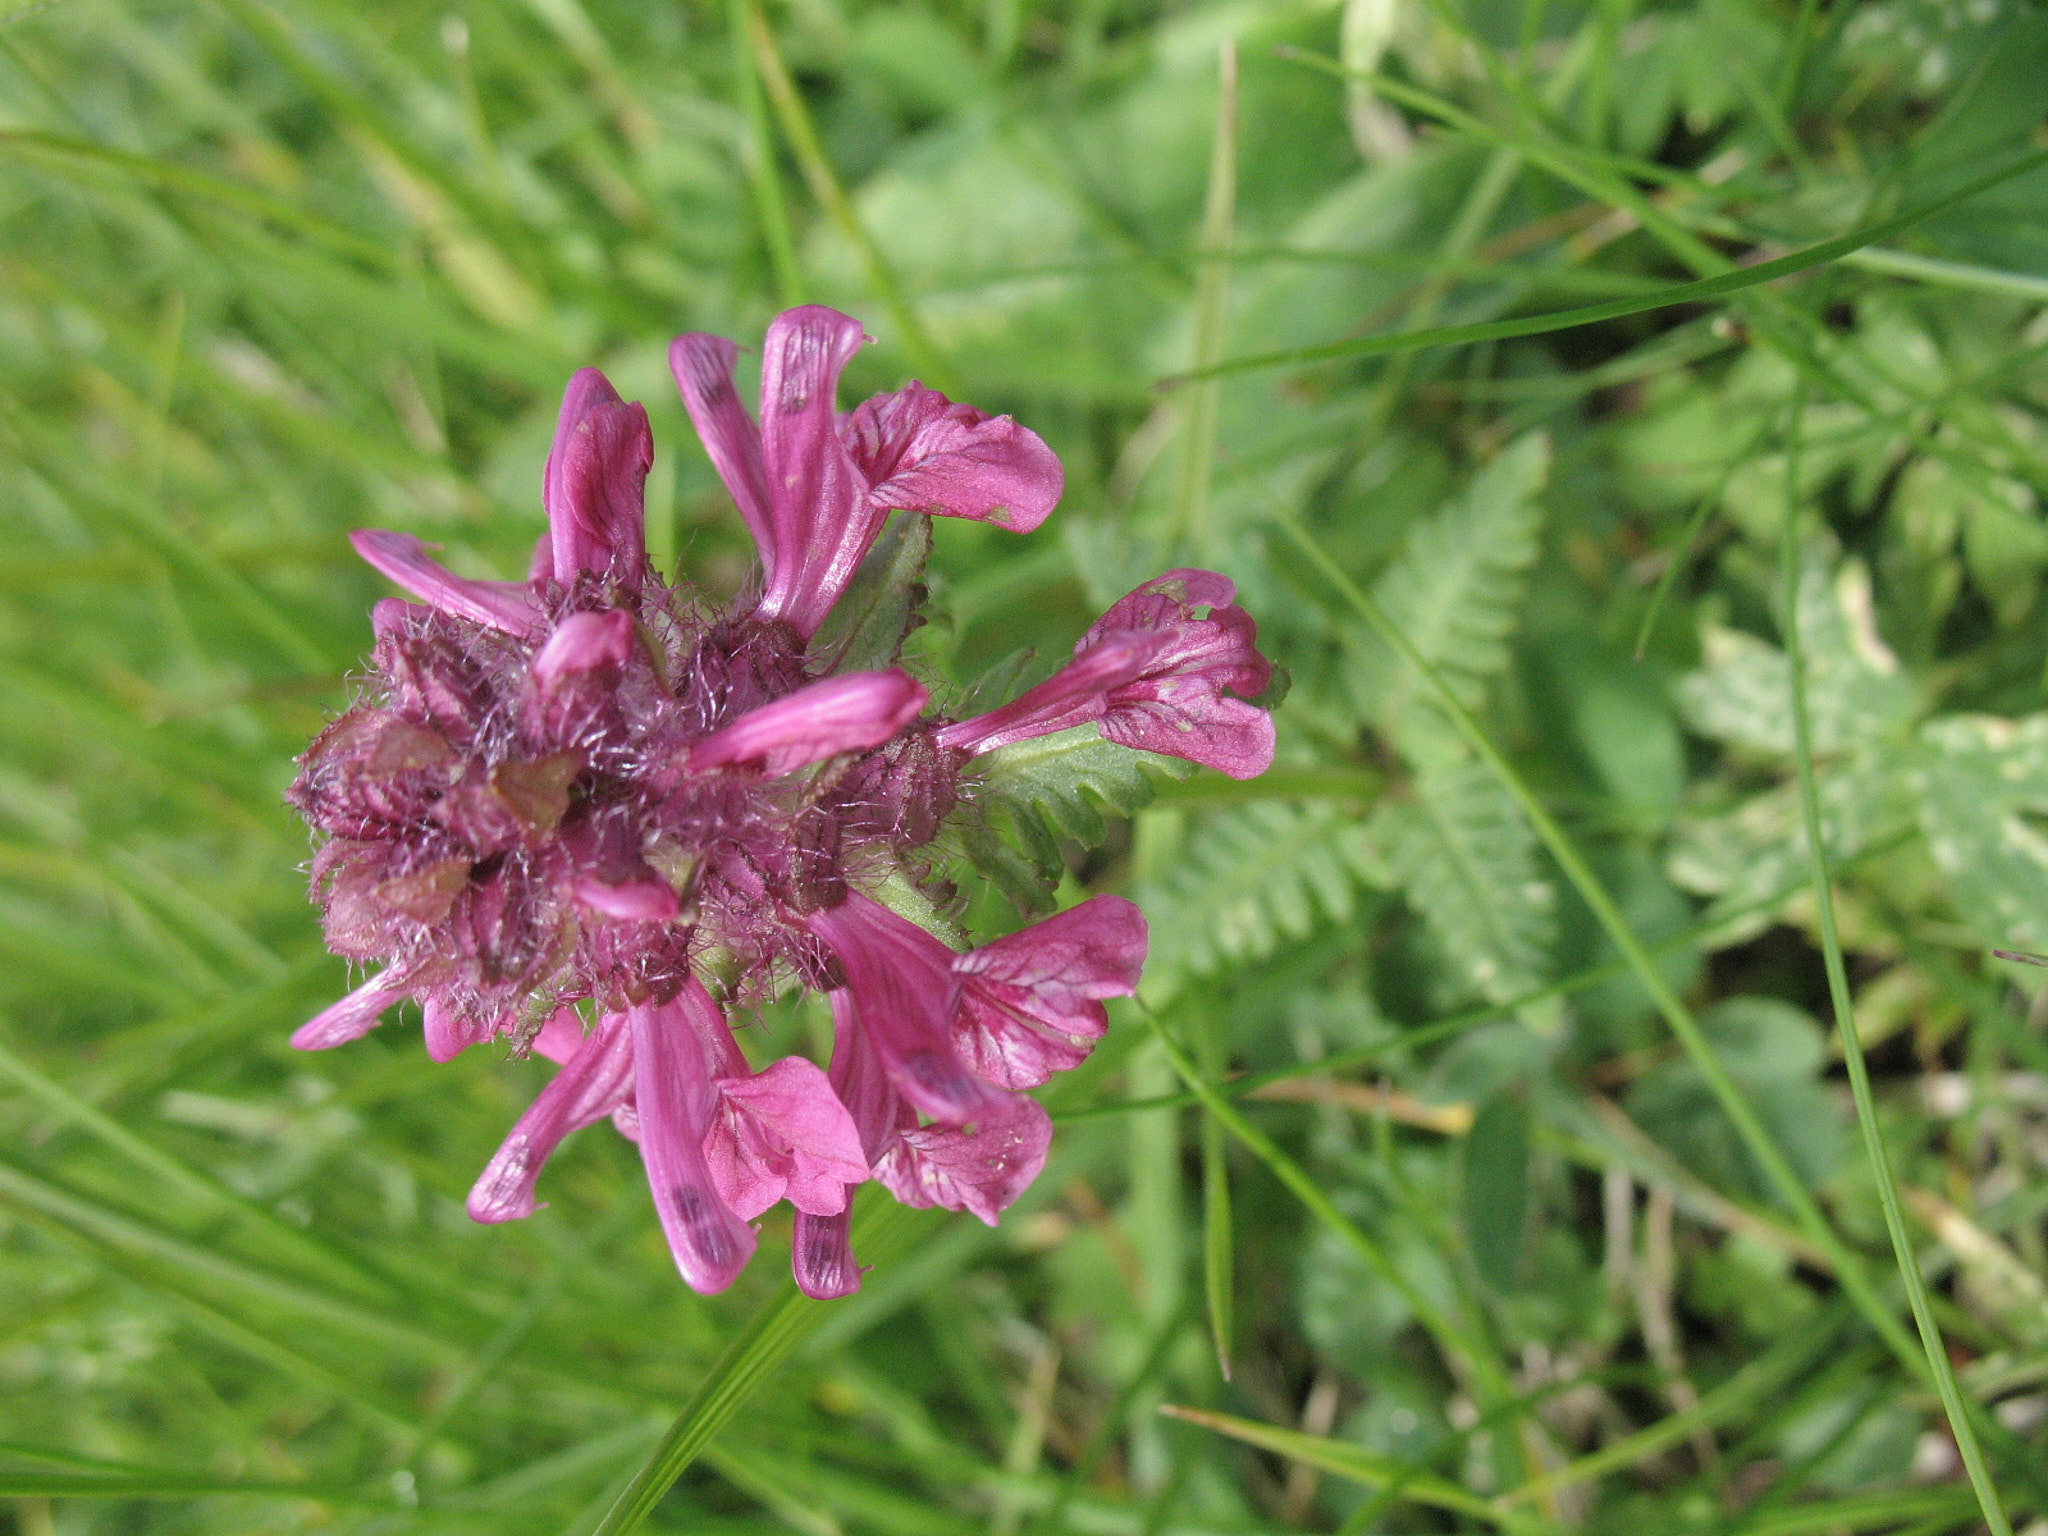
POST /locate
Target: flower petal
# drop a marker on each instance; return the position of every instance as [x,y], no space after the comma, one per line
[921,452]
[1075,695]
[503,605]
[675,1099]
[595,1079]
[583,642]
[848,713]
[982,1168]
[1031,1003]
[782,1132]
[633,901]
[354,1016]
[703,368]
[900,990]
[820,524]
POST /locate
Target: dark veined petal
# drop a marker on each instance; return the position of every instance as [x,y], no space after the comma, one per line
[820,523]
[703,368]
[1156,675]
[1031,1002]
[593,487]
[595,1079]
[900,988]
[782,1133]
[981,1168]
[675,1099]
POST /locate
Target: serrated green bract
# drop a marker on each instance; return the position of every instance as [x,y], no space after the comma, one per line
[1249,878]
[866,628]
[1033,794]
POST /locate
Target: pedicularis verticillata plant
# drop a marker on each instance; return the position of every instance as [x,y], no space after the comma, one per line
[585,788]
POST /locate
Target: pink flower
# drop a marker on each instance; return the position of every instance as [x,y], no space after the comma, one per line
[814,491]
[1154,675]
[919,1028]
[721,1143]
[586,789]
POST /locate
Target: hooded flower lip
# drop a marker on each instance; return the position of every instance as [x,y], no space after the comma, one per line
[593,485]
[1155,675]
[814,490]
[585,791]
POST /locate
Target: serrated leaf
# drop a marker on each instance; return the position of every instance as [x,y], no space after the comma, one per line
[1033,794]
[1455,592]
[867,626]
[1746,856]
[1856,690]
[1981,788]
[1252,877]
[1467,861]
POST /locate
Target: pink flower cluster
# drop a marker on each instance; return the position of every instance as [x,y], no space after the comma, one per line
[585,789]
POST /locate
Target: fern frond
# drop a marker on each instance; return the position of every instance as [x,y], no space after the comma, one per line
[1467,862]
[1252,877]
[1455,592]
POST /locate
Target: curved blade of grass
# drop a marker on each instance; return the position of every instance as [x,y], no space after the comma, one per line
[1345,1460]
[757,160]
[1486,1371]
[32,147]
[779,1327]
[802,135]
[179,1175]
[1770,1158]
[1766,1375]
[1677,293]
[1845,1008]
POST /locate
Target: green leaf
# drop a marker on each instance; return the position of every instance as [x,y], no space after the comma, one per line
[1981,785]
[1353,1462]
[1033,794]
[1496,1193]
[1860,696]
[867,626]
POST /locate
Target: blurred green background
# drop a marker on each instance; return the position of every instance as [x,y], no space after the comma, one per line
[1488,1246]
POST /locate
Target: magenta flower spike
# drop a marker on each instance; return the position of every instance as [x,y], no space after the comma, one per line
[585,797]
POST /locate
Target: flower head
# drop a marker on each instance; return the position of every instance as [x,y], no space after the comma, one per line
[585,815]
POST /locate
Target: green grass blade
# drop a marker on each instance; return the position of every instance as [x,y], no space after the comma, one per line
[802,134]
[1678,293]
[1844,1005]
[1357,1464]
[778,1328]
